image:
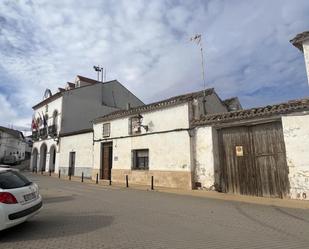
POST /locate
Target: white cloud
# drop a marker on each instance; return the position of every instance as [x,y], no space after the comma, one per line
[145,45]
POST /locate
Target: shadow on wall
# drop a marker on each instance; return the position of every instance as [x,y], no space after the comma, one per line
[55,226]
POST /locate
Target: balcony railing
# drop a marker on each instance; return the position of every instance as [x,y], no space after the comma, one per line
[35,135]
[43,133]
[52,130]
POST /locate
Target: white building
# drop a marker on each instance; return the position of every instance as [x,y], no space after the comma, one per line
[12,142]
[152,140]
[69,112]
[301,41]
[259,151]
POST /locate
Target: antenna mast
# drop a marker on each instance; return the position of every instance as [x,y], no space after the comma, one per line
[198,39]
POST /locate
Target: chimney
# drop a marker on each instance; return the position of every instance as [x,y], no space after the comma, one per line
[301,41]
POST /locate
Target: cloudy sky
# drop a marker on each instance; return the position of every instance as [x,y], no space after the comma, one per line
[146,46]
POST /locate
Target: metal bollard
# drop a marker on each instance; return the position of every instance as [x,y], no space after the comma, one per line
[127,181]
[59,174]
[82,176]
[70,176]
[49,172]
[36,170]
[110,182]
[151,182]
[41,171]
[97,179]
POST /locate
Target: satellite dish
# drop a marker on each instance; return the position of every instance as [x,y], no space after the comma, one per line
[47,93]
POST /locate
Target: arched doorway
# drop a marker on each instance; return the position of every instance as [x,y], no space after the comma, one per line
[34,165]
[43,152]
[52,158]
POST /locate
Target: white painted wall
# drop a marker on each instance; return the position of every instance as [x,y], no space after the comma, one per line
[49,143]
[306,55]
[296,137]
[10,145]
[81,144]
[52,106]
[167,151]
[204,157]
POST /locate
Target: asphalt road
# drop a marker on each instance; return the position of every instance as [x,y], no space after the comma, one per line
[77,215]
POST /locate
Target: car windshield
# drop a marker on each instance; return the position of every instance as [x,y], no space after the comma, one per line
[12,179]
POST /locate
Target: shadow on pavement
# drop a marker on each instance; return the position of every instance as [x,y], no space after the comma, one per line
[57,199]
[54,227]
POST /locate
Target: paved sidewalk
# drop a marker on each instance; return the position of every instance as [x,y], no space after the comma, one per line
[288,203]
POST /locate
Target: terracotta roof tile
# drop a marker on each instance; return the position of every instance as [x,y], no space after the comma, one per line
[266,111]
[154,106]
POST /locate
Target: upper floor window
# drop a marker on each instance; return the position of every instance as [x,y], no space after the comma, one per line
[55,117]
[106,129]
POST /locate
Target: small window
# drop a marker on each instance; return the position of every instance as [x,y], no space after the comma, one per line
[140,159]
[106,129]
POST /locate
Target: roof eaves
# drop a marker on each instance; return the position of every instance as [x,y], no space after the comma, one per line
[298,40]
[176,100]
[270,110]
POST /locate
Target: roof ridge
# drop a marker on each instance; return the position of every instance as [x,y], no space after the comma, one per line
[280,108]
[178,99]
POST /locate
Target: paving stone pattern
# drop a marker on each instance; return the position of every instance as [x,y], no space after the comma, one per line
[79,215]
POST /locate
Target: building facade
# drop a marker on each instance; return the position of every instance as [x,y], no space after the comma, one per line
[259,151]
[154,140]
[70,111]
[12,143]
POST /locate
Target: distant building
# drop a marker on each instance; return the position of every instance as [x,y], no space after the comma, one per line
[301,41]
[69,112]
[12,142]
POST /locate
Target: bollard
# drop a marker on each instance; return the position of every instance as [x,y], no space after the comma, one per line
[151,182]
[127,181]
[41,171]
[110,182]
[97,179]
[36,170]
[70,176]
[59,174]
[82,176]
[49,172]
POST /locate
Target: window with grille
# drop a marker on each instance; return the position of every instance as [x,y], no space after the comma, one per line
[140,159]
[106,129]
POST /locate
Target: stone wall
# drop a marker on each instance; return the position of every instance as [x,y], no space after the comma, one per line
[296,137]
[169,179]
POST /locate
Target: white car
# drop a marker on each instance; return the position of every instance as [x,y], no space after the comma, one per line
[19,198]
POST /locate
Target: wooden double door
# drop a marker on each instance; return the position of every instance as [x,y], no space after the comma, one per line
[106,160]
[253,160]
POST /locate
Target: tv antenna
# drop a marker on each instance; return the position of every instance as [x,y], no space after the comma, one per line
[198,40]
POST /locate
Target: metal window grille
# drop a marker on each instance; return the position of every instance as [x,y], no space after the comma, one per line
[106,130]
[140,159]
